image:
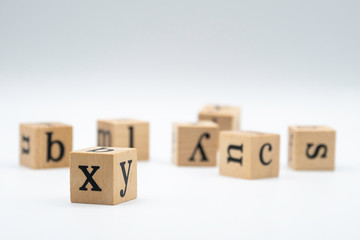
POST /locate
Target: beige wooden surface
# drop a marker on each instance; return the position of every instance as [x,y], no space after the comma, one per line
[186,138]
[38,144]
[227,117]
[116,133]
[254,150]
[109,176]
[320,137]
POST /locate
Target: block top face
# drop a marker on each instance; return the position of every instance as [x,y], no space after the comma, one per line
[220,110]
[312,128]
[122,121]
[199,124]
[247,133]
[103,150]
[44,125]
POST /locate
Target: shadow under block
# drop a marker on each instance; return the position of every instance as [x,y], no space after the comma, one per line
[45,145]
[227,117]
[195,144]
[311,148]
[103,175]
[126,133]
[249,155]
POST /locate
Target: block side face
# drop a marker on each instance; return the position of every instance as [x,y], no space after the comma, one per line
[122,121]
[314,150]
[197,146]
[218,109]
[198,124]
[235,153]
[27,147]
[265,156]
[133,135]
[237,117]
[125,169]
[224,122]
[45,125]
[51,146]
[100,167]
[312,129]
[291,143]
[175,143]
[228,117]
[98,150]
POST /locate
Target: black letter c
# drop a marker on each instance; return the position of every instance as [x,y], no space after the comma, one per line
[261,154]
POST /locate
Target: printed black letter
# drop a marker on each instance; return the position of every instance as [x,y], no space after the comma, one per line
[317,150]
[101,149]
[126,177]
[261,154]
[104,138]
[27,149]
[198,146]
[49,146]
[131,130]
[230,158]
[89,178]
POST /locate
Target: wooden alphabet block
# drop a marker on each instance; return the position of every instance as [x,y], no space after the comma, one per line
[45,145]
[195,144]
[125,133]
[103,175]
[311,148]
[227,117]
[249,155]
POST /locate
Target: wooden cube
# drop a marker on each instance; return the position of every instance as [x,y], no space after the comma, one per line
[195,144]
[45,145]
[127,133]
[227,117]
[103,175]
[249,155]
[311,148]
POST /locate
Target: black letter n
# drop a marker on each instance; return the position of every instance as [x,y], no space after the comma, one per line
[89,178]
[231,158]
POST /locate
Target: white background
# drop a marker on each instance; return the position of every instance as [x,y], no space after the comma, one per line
[283,62]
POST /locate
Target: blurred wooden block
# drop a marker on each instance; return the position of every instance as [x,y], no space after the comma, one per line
[45,145]
[127,133]
[311,148]
[249,155]
[227,117]
[103,175]
[195,144]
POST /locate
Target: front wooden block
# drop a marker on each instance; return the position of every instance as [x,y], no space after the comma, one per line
[249,155]
[45,145]
[227,117]
[311,148]
[195,144]
[103,175]
[125,133]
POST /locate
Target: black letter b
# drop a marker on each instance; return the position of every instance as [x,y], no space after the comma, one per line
[50,144]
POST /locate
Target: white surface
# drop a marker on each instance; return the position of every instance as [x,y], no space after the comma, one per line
[178,202]
[283,62]
[185,202]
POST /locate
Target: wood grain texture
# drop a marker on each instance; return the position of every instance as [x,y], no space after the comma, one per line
[109,175]
[125,133]
[227,117]
[249,155]
[195,144]
[45,145]
[311,148]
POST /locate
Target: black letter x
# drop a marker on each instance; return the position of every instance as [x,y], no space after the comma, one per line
[89,178]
